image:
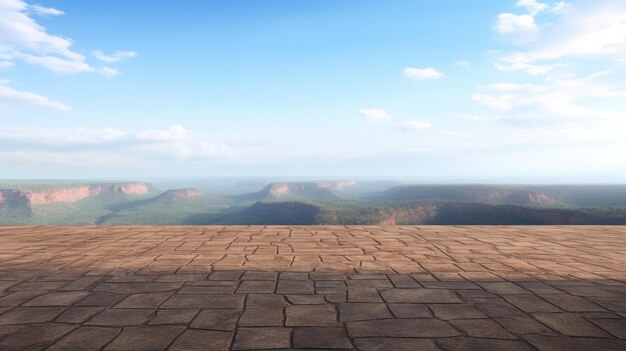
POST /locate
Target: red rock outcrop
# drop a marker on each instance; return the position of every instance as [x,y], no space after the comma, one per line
[71,193]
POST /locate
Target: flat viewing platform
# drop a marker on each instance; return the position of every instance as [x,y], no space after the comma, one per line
[367,288]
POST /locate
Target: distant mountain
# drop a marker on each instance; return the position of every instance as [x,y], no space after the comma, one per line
[47,194]
[311,191]
[292,212]
[494,195]
[179,194]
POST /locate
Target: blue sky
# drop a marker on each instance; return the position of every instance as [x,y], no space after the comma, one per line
[507,91]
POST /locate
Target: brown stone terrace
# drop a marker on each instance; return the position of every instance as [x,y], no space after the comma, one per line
[356,288]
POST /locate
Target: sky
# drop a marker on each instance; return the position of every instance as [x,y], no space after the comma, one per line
[435,90]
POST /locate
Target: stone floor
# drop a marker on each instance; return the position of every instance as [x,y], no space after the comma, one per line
[363,288]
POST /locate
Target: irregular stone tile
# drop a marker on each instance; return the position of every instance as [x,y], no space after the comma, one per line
[120,317]
[85,338]
[311,315]
[409,310]
[481,328]
[531,303]
[522,325]
[35,336]
[616,327]
[401,328]
[101,299]
[150,300]
[561,343]
[266,300]
[321,338]
[204,301]
[419,296]
[503,288]
[572,303]
[363,311]
[456,311]
[202,340]
[259,275]
[23,315]
[570,324]
[262,316]
[136,288]
[216,319]
[364,295]
[166,317]
[399,344]
[211,290]
[465,344]
[256,287]
[56,299]
[152,338]
[262,338]
[305,299]
[78,314]
[295,287]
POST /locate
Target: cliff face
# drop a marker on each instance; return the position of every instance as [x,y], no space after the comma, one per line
[185,193]
[70,193]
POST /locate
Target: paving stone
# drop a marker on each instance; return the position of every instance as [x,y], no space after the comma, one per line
[503,288]
[305,299]
[481,328]
[419,296]
[85,338]
[78,314]
[562,343]
[151,300]
[23,315]
[262,316]
[266,300]
[101,299]
[363,311]
[364,295]
[321,338]
[259,275]
[56,299]
[35,336]
[465,344]
[262,338]
[204,301]
[409,310]
[616,327]
[572,303]
[151,338]
[256,287]
[121,317]
[202,340]
[167,317]
[522,325]
[401,328]
[296,287]
[135,288]
[531,303]
[212,290]
[311,315]
[456,311]
[216,319]
[570,324]
[400,344]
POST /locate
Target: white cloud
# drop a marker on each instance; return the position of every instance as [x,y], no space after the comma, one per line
[22,38]
[375,115]
[422,73]
[462,63]
[6,64]
[45,11]
[532,6]
[381,116]
[109,72]
[175,142]
[13,97]
[116,56]
[516,28]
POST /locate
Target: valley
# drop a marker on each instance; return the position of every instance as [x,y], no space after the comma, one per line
[302,202]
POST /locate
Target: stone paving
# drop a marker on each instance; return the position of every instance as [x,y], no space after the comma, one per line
[347,288]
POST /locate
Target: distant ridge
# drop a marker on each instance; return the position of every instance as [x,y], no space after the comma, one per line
[493,195]
[314,191]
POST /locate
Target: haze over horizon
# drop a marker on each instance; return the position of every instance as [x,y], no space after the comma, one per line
[509,91]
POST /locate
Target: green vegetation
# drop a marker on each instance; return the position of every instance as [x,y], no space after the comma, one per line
[310,203]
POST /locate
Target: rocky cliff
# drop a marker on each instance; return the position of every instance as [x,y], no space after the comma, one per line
[69,193]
